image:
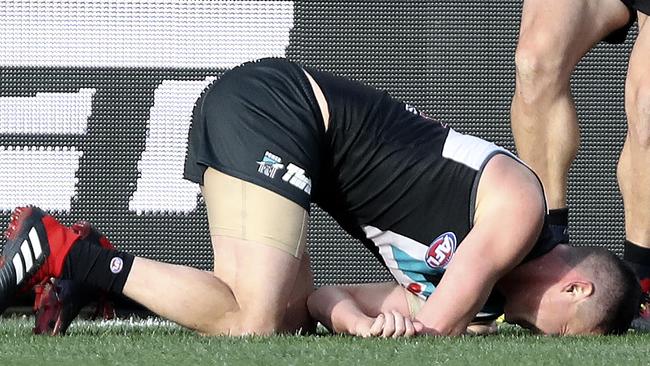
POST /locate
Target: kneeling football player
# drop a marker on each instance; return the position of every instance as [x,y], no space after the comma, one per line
[271,137]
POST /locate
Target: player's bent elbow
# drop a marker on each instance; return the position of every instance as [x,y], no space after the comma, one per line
[328,306]
[320,300]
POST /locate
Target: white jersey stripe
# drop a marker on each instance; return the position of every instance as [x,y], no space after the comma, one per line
[388,241]
[401,278]
[472,151]
[27,255]
[18,265]
[386,252]
[468,150]
[390,238]
[36,243]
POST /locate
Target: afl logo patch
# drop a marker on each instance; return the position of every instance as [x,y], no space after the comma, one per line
[116,265]
[441,250]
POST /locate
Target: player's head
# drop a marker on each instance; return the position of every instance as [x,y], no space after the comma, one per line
[577,290]
[616,295]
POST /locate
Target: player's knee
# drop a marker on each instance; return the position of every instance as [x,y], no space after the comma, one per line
[240,324]
[539,70]
[257,325]
[638,113]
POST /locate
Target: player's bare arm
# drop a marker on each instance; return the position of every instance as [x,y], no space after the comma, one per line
[509,216]
[375,309]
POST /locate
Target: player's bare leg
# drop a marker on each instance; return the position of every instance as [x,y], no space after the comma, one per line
[256,276]
[261,270]
[198,300]
[188,296]
[634,163]
[554,36]
[253,280]
[297,317]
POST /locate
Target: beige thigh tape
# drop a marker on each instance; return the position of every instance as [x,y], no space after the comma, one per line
[414,302]
[243,210]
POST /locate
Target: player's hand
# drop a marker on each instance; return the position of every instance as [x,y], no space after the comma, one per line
[397,325]
[369,327]
[387,324]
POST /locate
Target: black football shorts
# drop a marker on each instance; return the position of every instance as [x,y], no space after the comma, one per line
[260,122]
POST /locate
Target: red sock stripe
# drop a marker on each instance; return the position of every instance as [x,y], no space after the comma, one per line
[103,241]
[645,285]
[61,240]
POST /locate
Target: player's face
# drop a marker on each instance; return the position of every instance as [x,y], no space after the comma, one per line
[555,327]
[553,315]
[558,318]
[571,328]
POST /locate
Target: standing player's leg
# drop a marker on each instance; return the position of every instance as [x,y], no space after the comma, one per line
[634,163]
[554,36]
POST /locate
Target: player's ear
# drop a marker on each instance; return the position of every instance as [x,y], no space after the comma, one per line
[579,289]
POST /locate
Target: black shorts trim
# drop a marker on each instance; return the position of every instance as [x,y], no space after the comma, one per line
[290,193]
[638,5]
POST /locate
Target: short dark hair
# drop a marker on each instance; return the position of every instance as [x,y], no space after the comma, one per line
[617,292]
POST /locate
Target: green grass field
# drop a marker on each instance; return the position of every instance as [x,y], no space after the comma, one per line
[151,342]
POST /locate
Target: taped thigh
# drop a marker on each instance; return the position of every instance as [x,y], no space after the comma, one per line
[243,210]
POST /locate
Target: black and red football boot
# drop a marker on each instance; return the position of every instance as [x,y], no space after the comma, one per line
[59,301]
[35,251]
[642,322]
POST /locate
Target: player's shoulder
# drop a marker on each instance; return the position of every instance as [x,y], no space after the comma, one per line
[509,193]
[508,181]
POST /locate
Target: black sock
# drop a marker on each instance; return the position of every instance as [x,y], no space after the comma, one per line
[94,265]
[558,216]
[558,222]
[638,258]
